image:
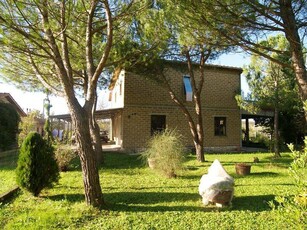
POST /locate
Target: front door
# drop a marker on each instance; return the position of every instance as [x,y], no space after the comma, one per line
[158,123]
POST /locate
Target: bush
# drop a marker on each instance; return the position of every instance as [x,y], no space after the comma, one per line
[36,167]
[293,209]
[64,155]
[166,152]
[28,124]
[9,120]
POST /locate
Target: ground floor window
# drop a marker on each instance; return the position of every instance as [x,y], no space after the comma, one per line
[220,126]
[158,123]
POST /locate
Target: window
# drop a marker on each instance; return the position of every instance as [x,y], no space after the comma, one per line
[187,88]
[220,126]
[158,123]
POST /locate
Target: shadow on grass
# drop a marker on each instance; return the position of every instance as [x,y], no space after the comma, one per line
[283,162]
[126,161]
[7,167]
[190,177]
[157,208]
[261,174]
[150,197]
[252,203]
[11,197]
[112,160]
[153,202]
[76,197]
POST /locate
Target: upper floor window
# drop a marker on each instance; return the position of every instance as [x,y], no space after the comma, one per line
[220,126]
[187,88]
[120,89]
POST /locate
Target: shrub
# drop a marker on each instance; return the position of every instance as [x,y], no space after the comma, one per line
[36,167]
[293,209]
[64,155]
[166,151]
[27,125]
[9,120]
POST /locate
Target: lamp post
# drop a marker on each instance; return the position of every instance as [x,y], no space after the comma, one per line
[47,106]
[46,109]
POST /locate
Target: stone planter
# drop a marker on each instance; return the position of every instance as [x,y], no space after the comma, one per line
[243,168]
[223,197]
[151,163]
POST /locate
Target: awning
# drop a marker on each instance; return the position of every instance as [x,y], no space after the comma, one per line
[99,114]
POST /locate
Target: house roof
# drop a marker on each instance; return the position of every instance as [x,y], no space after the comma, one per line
[117,71]
[7,98]
[211,66]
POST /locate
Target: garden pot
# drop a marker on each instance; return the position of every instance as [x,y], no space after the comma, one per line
[243,169]
[151,163]
[63,168]
[223,197]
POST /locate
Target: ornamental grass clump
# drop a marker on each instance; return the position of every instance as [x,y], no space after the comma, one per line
[165,153]
[64,154]
[36,166]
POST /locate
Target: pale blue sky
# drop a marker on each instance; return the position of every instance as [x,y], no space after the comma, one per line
[30,100]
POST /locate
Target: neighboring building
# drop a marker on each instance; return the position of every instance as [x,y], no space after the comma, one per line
[7,98]
[140,106]
[38,122]
[11,134]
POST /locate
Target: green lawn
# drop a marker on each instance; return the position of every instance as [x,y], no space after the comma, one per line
[140,199]
[8,161]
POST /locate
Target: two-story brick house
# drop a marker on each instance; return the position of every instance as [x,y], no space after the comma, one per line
[143,105]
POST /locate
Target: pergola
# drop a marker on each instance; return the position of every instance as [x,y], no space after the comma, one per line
[99,114]
[265,113]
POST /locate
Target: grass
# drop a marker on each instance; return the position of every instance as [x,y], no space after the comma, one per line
[138,198]
[8,161]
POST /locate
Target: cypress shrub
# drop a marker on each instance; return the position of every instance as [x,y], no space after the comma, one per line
[37,167]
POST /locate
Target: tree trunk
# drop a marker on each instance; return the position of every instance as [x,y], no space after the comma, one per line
[276,134]
[95,131]
[292,35]
[93,194]
[247,131]
[199,147]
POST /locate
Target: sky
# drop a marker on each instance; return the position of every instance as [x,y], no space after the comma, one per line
[34,101]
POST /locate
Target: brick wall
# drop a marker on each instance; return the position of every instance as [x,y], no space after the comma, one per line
[144,97]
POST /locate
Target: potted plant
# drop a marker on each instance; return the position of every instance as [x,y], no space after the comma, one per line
[243,168]
[165,153]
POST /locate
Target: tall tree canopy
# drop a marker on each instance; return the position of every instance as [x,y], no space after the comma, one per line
[189,43]
[273,86]
[246,23]
[65,46]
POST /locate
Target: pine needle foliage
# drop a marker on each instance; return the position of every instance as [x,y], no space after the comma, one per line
[36,167]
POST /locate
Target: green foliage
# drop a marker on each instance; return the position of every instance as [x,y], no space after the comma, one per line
[298,168]
[262,139]
[292,209]
[28,124]
[37,168]
[64,154]
[274,87]
[9,120]
[166,152]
